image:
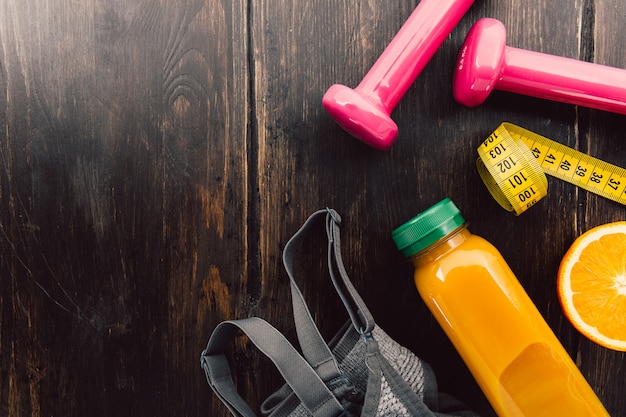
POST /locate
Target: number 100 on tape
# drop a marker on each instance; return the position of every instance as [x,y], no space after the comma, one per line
[513,161]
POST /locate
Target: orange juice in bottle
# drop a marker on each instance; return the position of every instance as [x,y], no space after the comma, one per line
[508,347]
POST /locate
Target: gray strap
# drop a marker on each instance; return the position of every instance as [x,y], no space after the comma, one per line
[360,315]
[303,380]
[313,346]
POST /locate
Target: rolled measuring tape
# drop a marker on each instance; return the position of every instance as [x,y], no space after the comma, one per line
[513,161]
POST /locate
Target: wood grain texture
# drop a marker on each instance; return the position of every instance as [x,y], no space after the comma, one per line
[123,206]
[156,156]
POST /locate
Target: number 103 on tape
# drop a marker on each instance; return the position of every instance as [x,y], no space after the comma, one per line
[513,161]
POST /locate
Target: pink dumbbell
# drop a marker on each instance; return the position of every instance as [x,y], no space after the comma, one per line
[364,112]
[485,63]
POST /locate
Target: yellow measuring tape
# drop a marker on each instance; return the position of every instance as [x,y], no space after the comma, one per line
[513,161]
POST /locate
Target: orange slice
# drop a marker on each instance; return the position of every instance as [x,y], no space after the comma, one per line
[592,285]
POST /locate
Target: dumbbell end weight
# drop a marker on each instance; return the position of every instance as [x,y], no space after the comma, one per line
[479,62]
[360,116]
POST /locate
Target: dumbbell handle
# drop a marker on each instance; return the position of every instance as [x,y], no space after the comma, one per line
[411,49]
[563,79]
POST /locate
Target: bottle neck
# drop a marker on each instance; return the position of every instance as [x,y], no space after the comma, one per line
[444,245]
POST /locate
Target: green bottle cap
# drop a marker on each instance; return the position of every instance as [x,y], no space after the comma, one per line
[427,227]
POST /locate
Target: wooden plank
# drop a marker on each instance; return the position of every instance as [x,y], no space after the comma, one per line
[124,202]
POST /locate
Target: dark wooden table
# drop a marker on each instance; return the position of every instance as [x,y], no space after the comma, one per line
[155,157]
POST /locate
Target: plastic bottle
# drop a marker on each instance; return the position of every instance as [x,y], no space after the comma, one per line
[518,362]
